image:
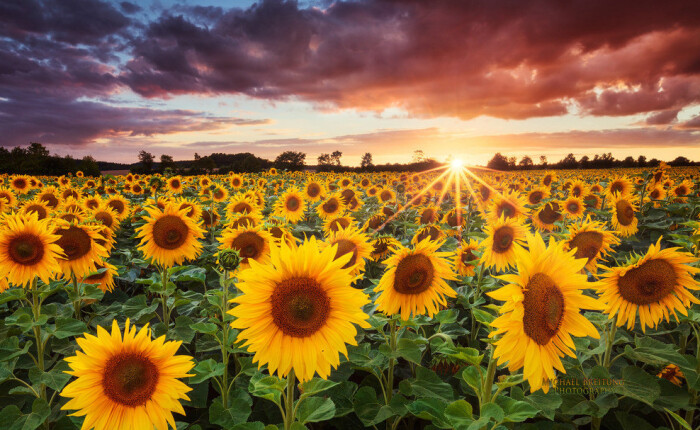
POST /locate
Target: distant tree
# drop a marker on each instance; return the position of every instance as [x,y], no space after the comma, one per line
[366,161]
[335,156]
[36,149]
[584,162]
[526,162]
[324,160]
[166,162]
[511,162]
[291,160]
[654,162]
[629,162]
[89,166]
[680,161]
[569,162]
[418,156]
[146,160]
[498,162]
[642,161]
[543,160]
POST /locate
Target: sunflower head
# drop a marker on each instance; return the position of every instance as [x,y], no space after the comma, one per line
[466,258]
[169,236]
[350,241]
[252,243]
[299,301]
[502,241]
[415,281]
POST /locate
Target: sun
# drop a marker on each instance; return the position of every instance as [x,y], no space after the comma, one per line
[457,164]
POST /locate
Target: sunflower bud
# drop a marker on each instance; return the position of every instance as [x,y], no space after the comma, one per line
[229,259]
[156,183]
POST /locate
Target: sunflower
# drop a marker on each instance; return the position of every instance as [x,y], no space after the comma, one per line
[236,181]
[239,220]
[27,249]
[548,178]
[120,205]
[415,281]
[332,207]
[90,203]
[299,310]
[374,222]
[49,196]
[70,193]
[252,243]
[204,182]
[682,189]
[192,207]
[219,194]
[454,219]
[673,374]
[546,216]
[536,195]
[578,189]
[20,184]
[591,241]
[169,236]
[241,204]
[619,186]
[80,250]
[338,223]
[36,206]
[210,218]
[127,382]
[290,205]
[542,311]
[502,243]
[107,217]
[350,241]
[465,260]
[281,233]
[431,231]
[314,190]
[623,218]
[509,205]
[103,276]
[381,247]
[428,215]
[592,201]
[657,193]
[9,197]
[655,286]
[174,184]
[573,207]
[386,195]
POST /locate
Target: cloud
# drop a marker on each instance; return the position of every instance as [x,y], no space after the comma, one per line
[662,117]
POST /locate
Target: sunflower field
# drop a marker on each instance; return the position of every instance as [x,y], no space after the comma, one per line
[448,299]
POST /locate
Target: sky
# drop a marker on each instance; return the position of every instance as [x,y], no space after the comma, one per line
[462,79]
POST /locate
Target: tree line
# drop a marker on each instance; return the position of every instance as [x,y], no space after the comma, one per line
[36,160]
[599,161]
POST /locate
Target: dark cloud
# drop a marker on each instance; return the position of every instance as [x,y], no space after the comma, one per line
[507,59]
[691,124]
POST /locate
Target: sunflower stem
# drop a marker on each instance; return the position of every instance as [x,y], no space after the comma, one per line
[78,298]
[164,296]
[392,363]
[36,310]
[289,401]
[609,341]
[224,345]
[694,395]
[488,381]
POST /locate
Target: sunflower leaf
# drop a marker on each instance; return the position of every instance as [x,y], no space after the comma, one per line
[315,409]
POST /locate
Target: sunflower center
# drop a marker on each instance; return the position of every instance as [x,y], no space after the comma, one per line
[75,242]
[300,307]
[313,190]
[543,308]
[467,257]
[218,194]
[502,239]
[506,209]
[655,194]
[26,249]
[625,212]
[130,379]
[105,218]
[244,220]
[587,244]
[330,206]
[117,205]
[248,244]
[347,195]
[572,207]
[242,207]
[547,180]
[385,195]
[175,183]
[432,232]
[339,223]
[50,200]
[576,191]
[616,187]
[346,246]
[427,216]
[38,209]
[97,276]
[380,247]
[414,274]
[170,232]
[535,197]
[292,203]
[548,214]
[648,283]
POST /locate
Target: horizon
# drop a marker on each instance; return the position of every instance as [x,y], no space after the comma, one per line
[466,80]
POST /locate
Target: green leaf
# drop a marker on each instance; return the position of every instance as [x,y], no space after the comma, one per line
[10,417]
[267,387]
[638,385]
[67,327]
[237,412]
[315,409]
[492,411]
[207,328]
[55,379]
[40,412]
[9,348]
[482,316]
[680,420]
[429,384]
[472,377]
[459,414]
[206,369]
[183,329]
[315,386]
[515,410]
[368,409]
[409,349]
[431,409]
